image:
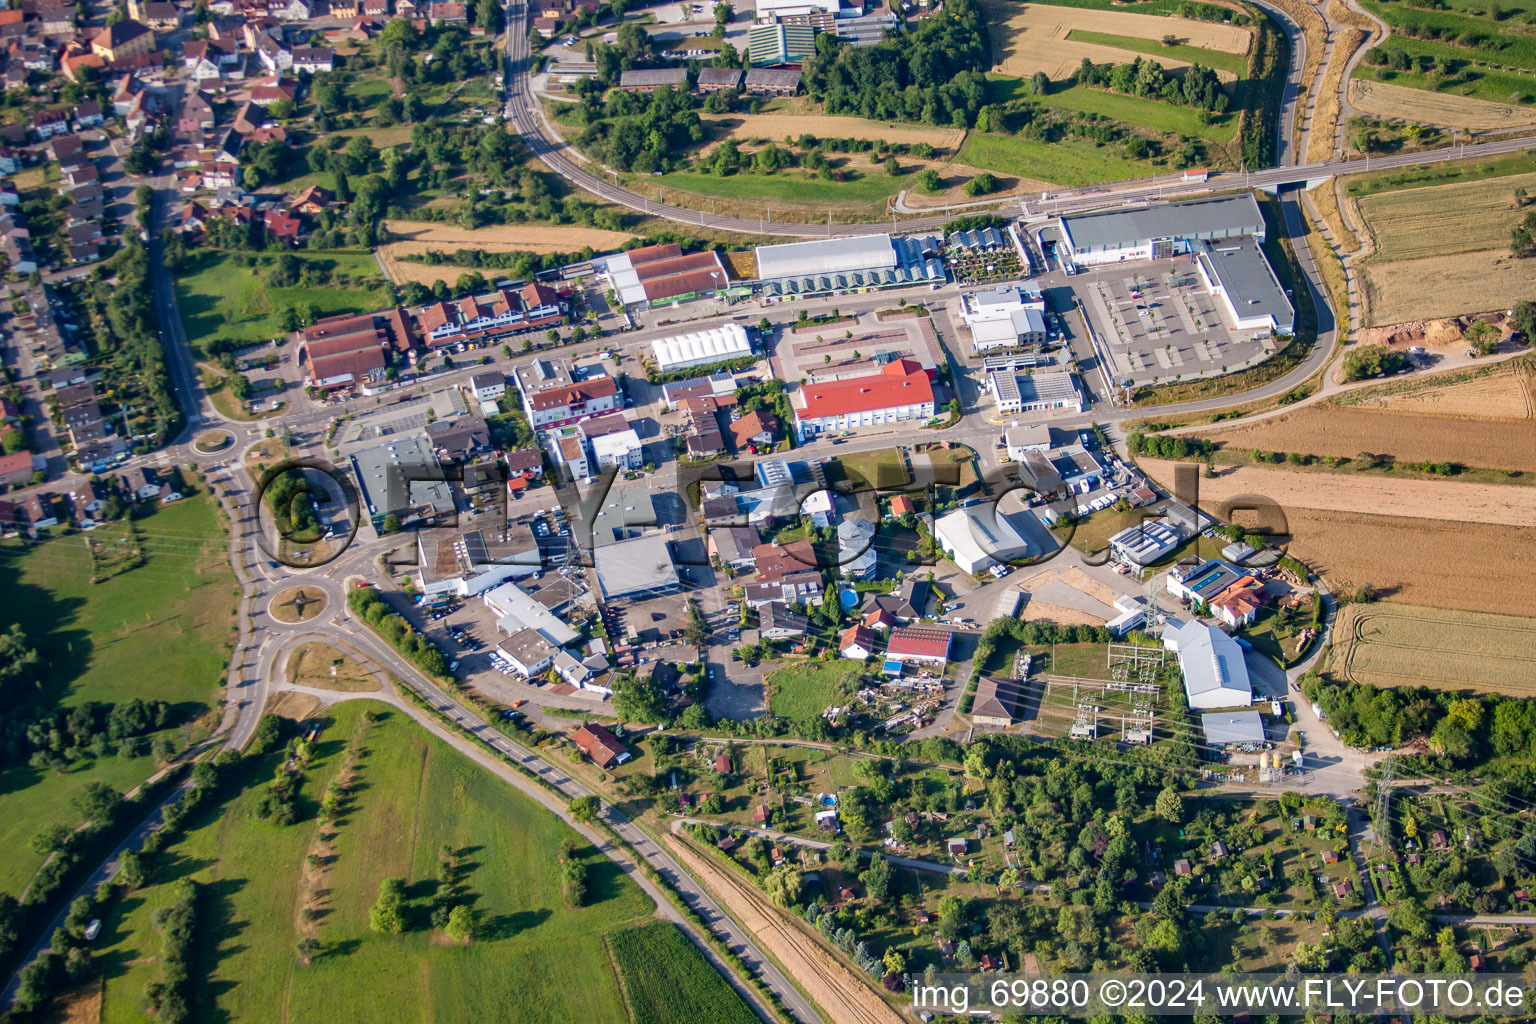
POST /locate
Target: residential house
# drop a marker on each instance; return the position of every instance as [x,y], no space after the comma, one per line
[732,546]
[648,80]
[127,38]
[284,227]
[527,463]
[313,59]
[48,123]
[87,114]
[15,469]
[777,622]
[755,428]
[458,439]
[856,643]
[313,201]
[600,745]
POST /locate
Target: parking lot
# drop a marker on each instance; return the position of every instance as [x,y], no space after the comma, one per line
[1161,325]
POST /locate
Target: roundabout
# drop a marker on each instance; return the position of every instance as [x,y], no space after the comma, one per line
[298,605]
[211,442]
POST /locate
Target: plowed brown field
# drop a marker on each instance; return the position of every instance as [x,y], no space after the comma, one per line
[1443,501]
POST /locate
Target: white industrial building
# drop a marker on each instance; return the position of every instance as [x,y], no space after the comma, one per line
[844,264]
[619,450]
[1237,273]
[516,611]
[772,10]
[1215,672]
[1004,317]
[1158,232]
[701,348]
[1146,542]
[1034,392]
[980,537]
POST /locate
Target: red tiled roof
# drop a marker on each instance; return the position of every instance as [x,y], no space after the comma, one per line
[856,634]
[776,560]
[581,391]
[919,643]
[652,253]
[599,744]
[892,387]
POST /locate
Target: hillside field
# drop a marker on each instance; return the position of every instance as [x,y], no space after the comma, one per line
[411,798]
[1402,645]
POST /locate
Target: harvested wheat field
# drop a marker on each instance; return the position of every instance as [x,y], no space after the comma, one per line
[1326,430]
[1468,566]
[414,238]
[831,986]
[1411,224]
[1033,37]
[1443,501]
[1438,108]
[774,127]
[295,706]
[1440,286]
[1403,645]
[1506,391]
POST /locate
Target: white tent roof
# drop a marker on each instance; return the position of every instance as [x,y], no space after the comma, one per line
[716,345]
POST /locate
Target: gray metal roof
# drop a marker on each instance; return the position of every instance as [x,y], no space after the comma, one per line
[653,76]
[1113,228]
[1227,727]
[640,565]
[1245,275]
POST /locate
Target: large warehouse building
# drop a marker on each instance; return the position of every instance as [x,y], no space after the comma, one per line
[1221,235]
[702,348]
[902,391]
[1158,232]
[844,264]
[658,274]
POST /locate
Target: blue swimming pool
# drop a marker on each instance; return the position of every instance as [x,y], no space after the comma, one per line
[849,598]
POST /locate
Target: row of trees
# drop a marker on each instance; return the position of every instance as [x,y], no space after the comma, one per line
[423,653]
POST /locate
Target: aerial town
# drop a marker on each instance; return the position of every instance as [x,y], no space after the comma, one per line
[800,512]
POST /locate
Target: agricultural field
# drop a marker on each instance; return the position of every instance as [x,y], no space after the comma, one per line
[222,297]
[802,691]
[789,190]
[1036,37]
[411,800]
[666,979]
[1403,645]
[1420,271]
[158,631]
[1435,500]
[1466,566]
[414,238]
[1423,106]
[1411,224]
[1471,420]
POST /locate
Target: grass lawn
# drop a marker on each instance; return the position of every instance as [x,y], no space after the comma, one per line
[1482,82]
[159,631]
[537,959]
[1067,162]
[1092,534]
[667,979]
[790,186]
[882,469]
[1219,60]
[219,298]
[803,691]
[1439,174]
[1085,661]
[1150,114]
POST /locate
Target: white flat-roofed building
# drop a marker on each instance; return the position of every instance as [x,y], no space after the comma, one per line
[1145,543]
[618,451]
[701,348]
[1233,729]
[828,256]
[1237,273]
[638,568]
[1034,392]
[528,651]
[1021,327]
[1158,231]
[516,611]
[770,10]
